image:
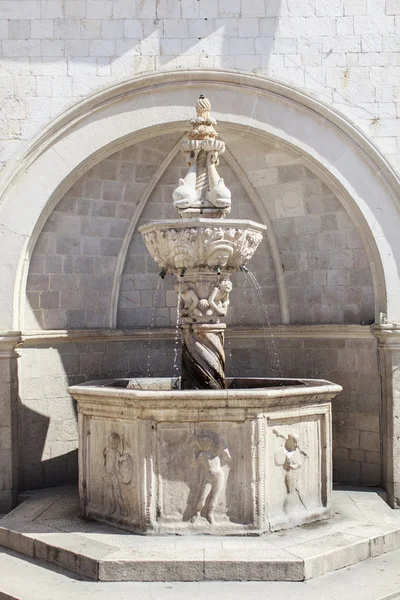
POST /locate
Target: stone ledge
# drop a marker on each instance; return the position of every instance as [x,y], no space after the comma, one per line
[44,337]
[47,526]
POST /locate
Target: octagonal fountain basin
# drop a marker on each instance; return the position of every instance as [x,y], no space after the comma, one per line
[252,458]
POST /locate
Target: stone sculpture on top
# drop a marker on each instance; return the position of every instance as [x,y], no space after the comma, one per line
[202,192]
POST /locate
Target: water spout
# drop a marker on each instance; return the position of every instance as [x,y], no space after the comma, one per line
[183,272]
[218,270]
[163,273]
[244,269]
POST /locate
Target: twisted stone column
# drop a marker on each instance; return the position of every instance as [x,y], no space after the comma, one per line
[203,356]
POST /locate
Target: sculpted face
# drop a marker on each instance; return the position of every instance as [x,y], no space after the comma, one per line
[292,442]
[205,442]
[219,255]
[226,286]
[113,441]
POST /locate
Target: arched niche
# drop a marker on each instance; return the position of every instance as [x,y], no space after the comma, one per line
[142,107]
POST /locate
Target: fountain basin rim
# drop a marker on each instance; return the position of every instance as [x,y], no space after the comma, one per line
[201,222]
[300,390]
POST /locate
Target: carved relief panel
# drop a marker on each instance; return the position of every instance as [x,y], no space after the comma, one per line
[296,465]
[205,300]
[204,475]
[112,486]
[261,472]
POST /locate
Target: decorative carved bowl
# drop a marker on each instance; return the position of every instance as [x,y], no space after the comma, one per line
[202,244]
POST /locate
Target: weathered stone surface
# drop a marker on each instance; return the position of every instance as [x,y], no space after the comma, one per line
[362,526]
[224,461]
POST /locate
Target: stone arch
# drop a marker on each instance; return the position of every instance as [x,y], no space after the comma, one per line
[94,128]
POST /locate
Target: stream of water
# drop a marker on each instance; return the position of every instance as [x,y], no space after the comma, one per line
[150,328]
[177,330]
[266,321]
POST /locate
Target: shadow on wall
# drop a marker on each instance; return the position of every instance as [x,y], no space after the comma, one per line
[48,430]
[38,470]
[116,41]
[47,415]
[212,42]
[90,267]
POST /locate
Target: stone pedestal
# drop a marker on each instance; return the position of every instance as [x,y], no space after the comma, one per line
[157,460]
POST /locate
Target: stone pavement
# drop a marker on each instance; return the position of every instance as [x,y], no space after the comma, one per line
[47,526]
[25,579]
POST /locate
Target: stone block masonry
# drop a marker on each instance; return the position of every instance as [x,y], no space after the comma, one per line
[47,415]
[71,280]
[356,411]
[56,52]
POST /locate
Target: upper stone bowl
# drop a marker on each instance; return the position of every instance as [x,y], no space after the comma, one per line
[202,244]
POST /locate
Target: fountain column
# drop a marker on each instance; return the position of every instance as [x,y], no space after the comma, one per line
[203,356]
[202,248]
[204,296]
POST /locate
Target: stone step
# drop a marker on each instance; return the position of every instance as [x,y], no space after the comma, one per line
[47,526]
[27,579]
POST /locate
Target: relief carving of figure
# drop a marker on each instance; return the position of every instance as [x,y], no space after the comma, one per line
[189,301]
[201,304]
[219,253]
[212,454]
[118,467]
[291,458]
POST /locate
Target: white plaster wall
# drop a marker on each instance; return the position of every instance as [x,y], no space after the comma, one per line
[56,52]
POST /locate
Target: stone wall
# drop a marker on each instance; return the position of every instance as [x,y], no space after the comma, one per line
[56,52]
[71,283]
[9,407]
[353,364]
[47,414]
[72,271]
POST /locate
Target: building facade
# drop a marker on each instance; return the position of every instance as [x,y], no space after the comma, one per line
[95,99]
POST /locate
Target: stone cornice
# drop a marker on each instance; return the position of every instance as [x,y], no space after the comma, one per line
[43,338]
[388,335]
[9,340]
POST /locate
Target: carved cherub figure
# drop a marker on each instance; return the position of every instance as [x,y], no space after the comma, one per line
[189,301]
[211,456]
[219,298]
[291,457]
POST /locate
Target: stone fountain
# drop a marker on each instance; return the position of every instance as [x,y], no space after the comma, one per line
[203,453]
